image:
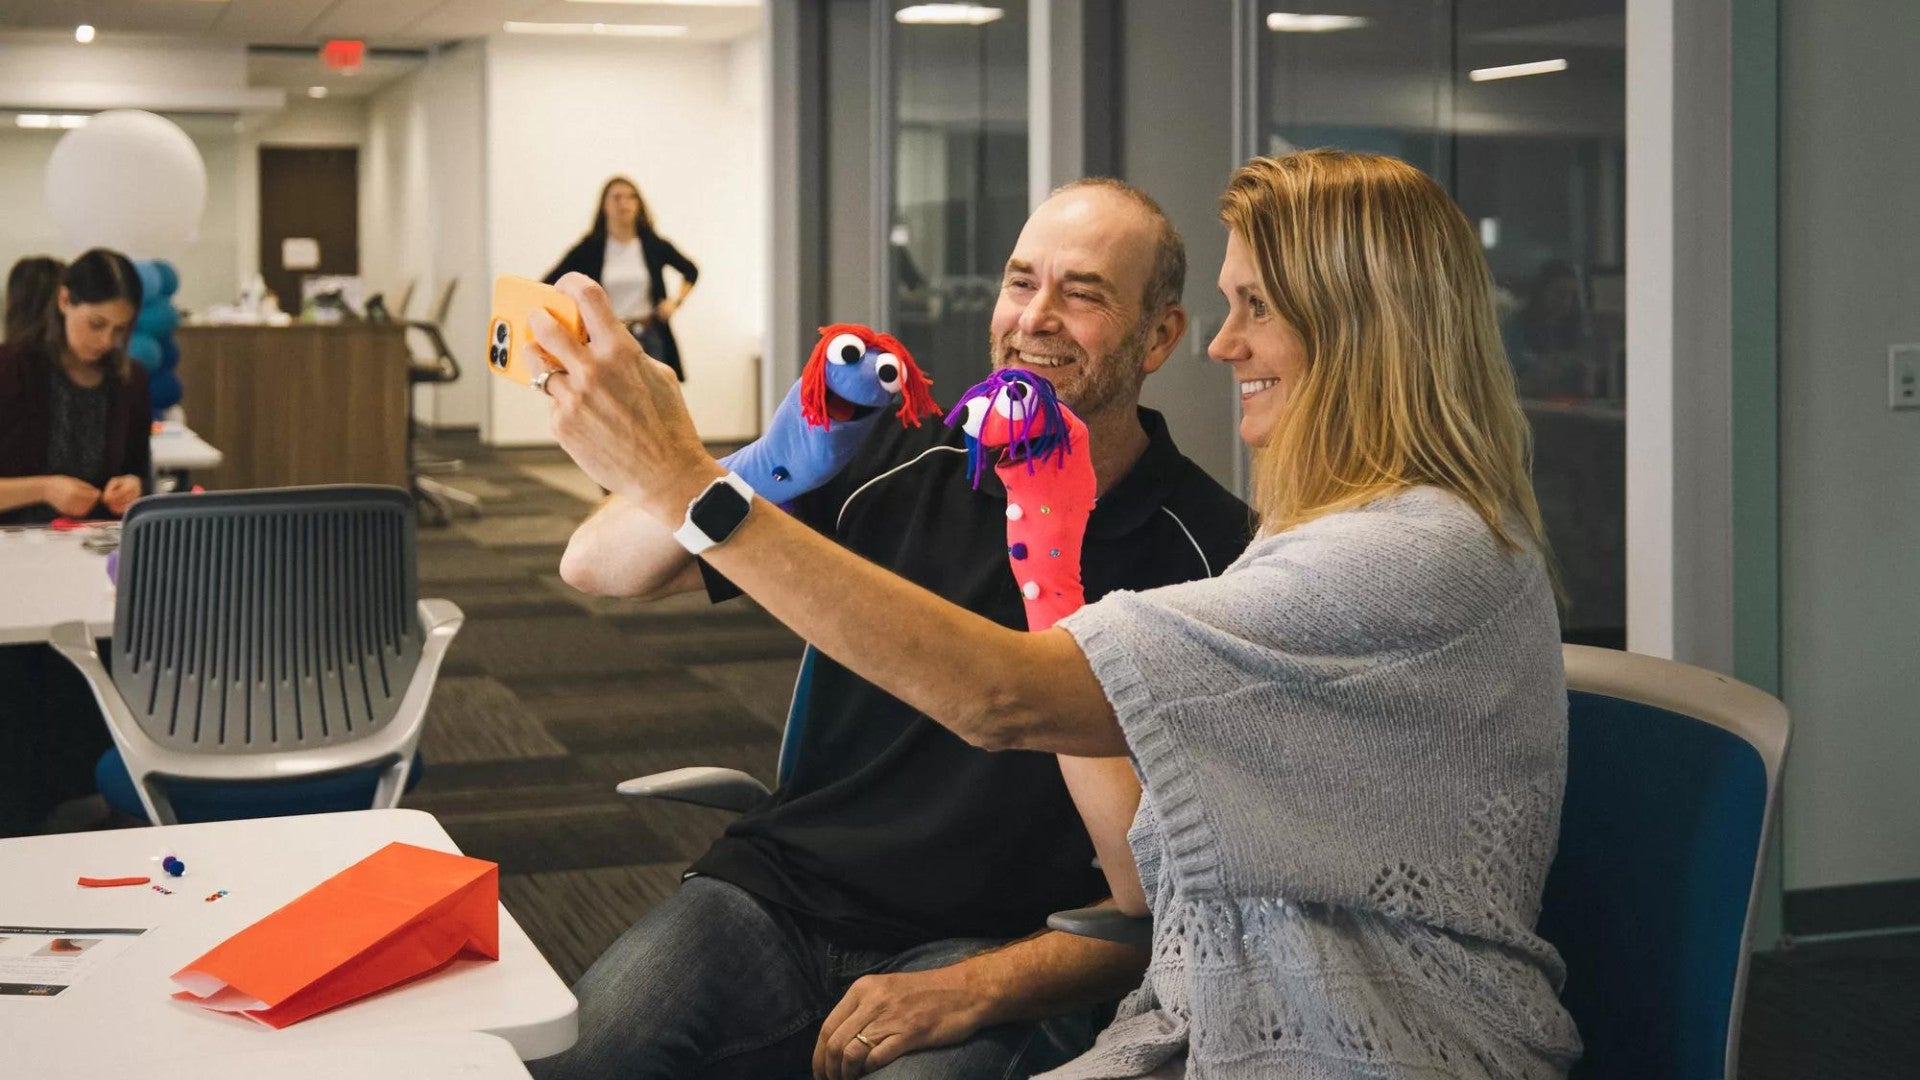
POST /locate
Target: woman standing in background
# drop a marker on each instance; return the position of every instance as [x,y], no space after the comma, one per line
[624,254]
[75,418]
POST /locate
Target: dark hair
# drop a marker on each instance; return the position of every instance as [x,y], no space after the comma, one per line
[98,277]
[643,222]
[31,286]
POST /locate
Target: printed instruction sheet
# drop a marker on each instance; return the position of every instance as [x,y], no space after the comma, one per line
[41,961]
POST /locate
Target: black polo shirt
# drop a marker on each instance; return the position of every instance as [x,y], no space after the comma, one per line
[891,831]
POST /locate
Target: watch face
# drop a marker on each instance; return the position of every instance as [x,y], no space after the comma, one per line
[718,512]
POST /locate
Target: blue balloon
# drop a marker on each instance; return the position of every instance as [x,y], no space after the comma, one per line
[165,390]
[150,279]
[157,318]
[145,348]
[169,354]
[169,277]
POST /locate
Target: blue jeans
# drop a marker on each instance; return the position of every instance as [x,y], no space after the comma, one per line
[716,984]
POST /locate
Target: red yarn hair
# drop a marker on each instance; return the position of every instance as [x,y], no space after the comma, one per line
[916,390]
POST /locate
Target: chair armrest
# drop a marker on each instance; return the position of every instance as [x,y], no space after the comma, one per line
[701,785]
[1105,923]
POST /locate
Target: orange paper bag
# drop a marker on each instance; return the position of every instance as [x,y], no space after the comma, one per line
[397,914]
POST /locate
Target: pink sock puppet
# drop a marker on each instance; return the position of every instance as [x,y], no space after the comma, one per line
[1039,451]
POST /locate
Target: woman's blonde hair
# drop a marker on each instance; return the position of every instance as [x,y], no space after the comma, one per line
[1407,382]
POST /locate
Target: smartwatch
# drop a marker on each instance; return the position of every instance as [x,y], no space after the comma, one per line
[713,516]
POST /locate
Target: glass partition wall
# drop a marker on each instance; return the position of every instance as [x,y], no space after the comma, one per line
[1517,108]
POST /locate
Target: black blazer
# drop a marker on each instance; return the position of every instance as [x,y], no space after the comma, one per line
[589,257]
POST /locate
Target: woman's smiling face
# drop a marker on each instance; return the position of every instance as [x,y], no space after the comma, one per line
[1266,353]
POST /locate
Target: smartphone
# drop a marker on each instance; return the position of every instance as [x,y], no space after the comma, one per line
[509,340]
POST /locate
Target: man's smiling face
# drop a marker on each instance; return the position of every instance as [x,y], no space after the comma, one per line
[1071,300]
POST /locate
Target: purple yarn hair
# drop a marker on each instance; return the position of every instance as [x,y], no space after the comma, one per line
[1041,432]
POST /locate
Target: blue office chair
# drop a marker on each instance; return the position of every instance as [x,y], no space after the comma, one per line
[1673,774]
[270,657]
[731,789]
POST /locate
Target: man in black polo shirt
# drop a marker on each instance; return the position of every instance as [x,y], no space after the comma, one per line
[899,871]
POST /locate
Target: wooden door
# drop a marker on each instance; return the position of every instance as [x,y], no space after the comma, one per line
[314,192]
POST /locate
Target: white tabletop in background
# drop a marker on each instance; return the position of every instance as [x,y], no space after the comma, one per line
[263,864]
[175,446]
[447,1055]
[47,577]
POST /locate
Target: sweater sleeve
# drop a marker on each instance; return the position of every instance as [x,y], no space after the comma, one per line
[671,256]
[1340,680]
[137,458]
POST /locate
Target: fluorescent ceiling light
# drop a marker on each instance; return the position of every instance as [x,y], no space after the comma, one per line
[1288,22]
[316,91]
[948,15]
[1515,71]
[44,120]
[651,30]
[83,34]
[678,3]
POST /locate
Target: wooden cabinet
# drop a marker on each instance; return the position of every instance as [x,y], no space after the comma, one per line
[298,404]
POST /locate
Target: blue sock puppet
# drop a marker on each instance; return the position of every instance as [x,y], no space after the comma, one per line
[851,376]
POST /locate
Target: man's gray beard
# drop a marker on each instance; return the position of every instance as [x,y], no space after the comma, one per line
[1120,378]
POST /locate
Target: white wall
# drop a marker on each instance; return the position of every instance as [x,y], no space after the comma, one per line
[1850,502]
[684,120]
[423,215]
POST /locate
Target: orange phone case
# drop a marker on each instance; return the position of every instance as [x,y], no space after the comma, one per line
[509,341]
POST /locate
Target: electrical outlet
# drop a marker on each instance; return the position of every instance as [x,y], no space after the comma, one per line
[1903,377]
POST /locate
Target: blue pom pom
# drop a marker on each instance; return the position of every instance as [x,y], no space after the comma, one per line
[173,866]
[1018,551]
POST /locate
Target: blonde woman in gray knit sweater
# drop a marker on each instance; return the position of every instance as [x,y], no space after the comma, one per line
[1352,742]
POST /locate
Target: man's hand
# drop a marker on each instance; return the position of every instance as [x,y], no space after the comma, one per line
[617,412]
[898,1014]
[70,497]
[120,493]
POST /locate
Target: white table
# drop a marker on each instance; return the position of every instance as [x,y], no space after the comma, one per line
[262,864]
[463,1055]
[47,578]
[177,449]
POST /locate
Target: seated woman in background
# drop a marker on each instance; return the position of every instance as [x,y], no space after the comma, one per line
[75,418]
[1352,742]
[31,286]
[623,253]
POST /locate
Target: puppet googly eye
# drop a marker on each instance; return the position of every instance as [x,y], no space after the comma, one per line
[976,415]
[846,349]
[1012,402]
[887,368]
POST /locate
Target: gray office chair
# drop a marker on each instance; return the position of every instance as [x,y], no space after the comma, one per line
[269,653]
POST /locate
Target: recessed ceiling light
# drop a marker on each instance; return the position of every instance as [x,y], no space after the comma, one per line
[678,3]
[44,120]
[1515,71]
[316,91]
[83,34]
[1290,22]
[652,30]
[948,15]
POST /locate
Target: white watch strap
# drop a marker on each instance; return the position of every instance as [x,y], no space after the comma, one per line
[690,535]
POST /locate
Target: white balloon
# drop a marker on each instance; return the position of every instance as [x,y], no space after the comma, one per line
[127,180]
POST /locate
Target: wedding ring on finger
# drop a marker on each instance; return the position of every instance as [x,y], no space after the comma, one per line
[540,381]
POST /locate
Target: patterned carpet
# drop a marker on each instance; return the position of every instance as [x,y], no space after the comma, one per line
[550,698]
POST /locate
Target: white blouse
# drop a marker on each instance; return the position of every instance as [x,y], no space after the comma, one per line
[624,276]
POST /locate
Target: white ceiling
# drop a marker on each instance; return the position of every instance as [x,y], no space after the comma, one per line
[380,23]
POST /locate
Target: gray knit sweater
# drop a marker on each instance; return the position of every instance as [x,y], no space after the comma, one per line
[1353,745]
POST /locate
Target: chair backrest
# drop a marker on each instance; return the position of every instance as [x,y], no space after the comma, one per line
[406,299]
[438,316]
[796,717]
[257,621]
[1672,775]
